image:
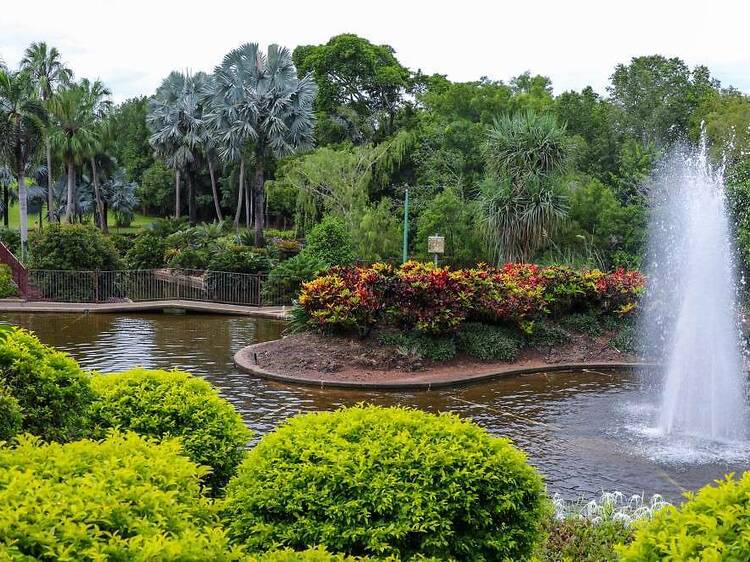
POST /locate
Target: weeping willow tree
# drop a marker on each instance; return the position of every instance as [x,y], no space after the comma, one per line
[523,199]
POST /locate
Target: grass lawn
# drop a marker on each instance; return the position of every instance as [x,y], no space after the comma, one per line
[14,220]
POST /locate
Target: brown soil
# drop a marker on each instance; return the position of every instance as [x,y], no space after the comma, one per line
[315,356]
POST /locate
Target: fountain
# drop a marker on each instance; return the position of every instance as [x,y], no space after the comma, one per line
[691,317]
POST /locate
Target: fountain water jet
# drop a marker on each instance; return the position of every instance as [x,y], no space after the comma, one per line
[691,313]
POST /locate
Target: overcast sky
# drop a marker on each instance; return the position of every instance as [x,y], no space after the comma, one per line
[132,44]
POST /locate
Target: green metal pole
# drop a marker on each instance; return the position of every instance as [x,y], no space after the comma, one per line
[406,227]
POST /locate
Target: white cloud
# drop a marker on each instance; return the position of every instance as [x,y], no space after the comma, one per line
[131,45]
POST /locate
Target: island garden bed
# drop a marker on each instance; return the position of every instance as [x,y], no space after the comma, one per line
[421,325]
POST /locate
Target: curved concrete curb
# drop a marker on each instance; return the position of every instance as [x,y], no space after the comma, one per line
[244,360]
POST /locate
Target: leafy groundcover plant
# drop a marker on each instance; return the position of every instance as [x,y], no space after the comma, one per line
[163,404]
[125,498]
[387,481]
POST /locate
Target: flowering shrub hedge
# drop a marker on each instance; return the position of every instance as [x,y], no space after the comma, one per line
[437,300]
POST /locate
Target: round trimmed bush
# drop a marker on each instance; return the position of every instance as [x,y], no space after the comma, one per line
[165,404]
[73,247]
[712,525]
[488,342]
[387,481]
[53,393]
[124,498]
[330,242]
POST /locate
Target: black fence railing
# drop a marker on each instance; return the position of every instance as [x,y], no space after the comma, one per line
[155,285]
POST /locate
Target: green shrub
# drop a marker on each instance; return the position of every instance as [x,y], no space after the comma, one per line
[547,334]
[11,417]
[626,339]
[281,234]
[489,343]
[712,525]
[330,242]
[582,540]
[584,323]
[435,348]
[165,404]
[123,241]
[7,286]
[234,258]
[12,239]
[387,481]
[310,555]
[147,252]
[73,247]
[285,280]
[122,499]
[53,392]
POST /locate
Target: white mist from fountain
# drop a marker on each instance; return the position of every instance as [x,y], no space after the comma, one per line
[691,314]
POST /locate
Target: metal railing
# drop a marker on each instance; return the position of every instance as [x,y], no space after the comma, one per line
[158,284]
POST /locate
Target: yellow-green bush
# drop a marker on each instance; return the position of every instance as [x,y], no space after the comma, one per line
[309,555]
[7,286]
[712,525]
[173,404]
[124,498]
[387,481]
[10,415]
[54,394]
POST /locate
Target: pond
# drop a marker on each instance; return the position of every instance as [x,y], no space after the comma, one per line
[581,429]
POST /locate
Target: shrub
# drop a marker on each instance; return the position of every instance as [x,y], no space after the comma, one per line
[73,247]
[7,286]
[489,343]
[165,404]
[123,242]
[582,540]
[12,239]
[122,499]
[147,252]
[582,322]
[619,290]
[285,280]
[330,242]
[387,481]
[235,258]
[11,417]
[53,392]
[713,524]
[310,555]
[425,346]
[513,293]
[546,334]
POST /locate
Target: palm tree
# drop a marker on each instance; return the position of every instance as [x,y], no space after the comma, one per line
[523,200]
[99,104]
[49,73]
[22,127]
[74,134]
[261,102]
[175,119]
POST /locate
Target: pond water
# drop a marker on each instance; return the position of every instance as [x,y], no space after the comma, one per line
[583,430]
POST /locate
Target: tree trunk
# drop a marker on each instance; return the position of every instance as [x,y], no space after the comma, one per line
[6,206]
[71,183]
[249,199]
[98,196]
[258,203]
[50,198]
[191,198]
[240,193]
[23,201]
[177,194]
[105,217]
[215,191]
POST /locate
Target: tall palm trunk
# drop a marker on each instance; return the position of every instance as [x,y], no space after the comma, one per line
[177,194]
[50,195]
[248,207]
[23,200]
[71,184]
[98,197]
[240,193]
[191,198]
[6,206]
[258,193]
[214,190]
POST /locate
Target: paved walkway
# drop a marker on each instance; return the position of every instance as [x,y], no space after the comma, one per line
[271,312]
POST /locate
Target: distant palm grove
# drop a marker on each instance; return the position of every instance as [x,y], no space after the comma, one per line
[279,139]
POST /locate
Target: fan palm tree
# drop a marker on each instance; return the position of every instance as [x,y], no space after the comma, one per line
[22,127]
[260,101]
[523,200]
[74,134]
[99,104]
[50,73]
[120,195]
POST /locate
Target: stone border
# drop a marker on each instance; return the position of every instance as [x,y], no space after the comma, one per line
[244,361]
[268,312]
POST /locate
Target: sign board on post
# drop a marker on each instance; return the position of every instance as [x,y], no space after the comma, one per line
[436,246]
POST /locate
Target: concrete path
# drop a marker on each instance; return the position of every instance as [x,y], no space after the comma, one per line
[271,312]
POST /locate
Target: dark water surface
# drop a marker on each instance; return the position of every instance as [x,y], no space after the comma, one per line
[583,430]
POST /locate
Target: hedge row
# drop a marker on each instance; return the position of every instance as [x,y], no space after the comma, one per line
[437,300]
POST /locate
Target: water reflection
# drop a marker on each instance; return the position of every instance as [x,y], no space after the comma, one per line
[573,426]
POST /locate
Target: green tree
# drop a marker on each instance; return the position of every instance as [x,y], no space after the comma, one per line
[361,87]
[130,134]
[50,74]
[523,201]
[260,102]
[22,127]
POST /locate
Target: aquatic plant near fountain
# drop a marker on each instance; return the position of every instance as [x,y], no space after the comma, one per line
[691,324]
